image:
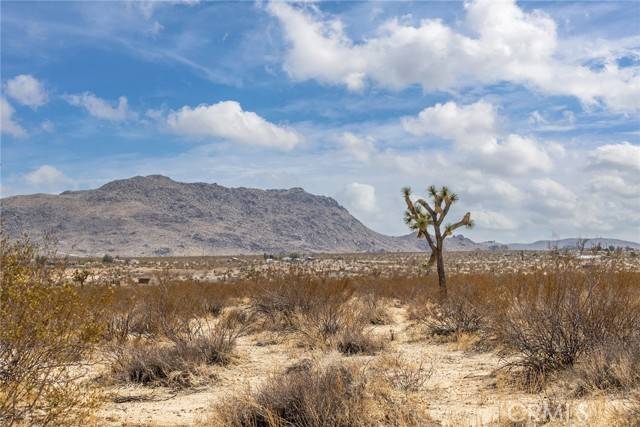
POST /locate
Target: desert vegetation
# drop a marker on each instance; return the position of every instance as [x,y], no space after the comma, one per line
[421,215]
[287,347]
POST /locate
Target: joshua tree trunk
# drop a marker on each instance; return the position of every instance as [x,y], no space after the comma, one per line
[420,216]
[442,279]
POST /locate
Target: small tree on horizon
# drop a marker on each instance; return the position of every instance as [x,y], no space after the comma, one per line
[420,215]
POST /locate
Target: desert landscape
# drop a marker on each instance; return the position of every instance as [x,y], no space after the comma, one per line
[294,213]
[523,338]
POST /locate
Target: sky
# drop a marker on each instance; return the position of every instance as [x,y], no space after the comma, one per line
[529,111]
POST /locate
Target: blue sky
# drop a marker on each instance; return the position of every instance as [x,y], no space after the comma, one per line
[528,110]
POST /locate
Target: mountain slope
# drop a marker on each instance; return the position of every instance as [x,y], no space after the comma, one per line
[155,215]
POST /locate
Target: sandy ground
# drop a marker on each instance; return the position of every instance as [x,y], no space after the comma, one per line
[462,391]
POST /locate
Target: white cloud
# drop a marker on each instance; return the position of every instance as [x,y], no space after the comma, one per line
[7,123]
[361,197]
[361,148]
[493,220]
[508,44]
[615,185]
[473,129]
[102,109]
[495,190]
[227,120]
[553,196]
[27,90]
[450,121]
[47,176]
[624,155]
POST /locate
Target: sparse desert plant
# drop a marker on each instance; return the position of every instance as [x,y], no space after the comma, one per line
[373,309]
[81,276]
[46,330]
[212,344]
[406,376]
[151,364]
[176,363]
[456,314]
[548,326]
[163,309]
[609,365]
[354,339]
[420,216]
[280,299]
[340,395]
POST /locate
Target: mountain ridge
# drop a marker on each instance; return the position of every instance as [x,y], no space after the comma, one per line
[155,215]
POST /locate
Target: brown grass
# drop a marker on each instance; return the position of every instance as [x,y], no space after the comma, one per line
[581,323]
[550,325]
[177,360]
[341,395]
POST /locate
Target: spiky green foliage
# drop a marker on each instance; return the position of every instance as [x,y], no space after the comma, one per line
[422,217]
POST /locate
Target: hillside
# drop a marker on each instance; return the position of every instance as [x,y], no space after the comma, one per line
[155,215]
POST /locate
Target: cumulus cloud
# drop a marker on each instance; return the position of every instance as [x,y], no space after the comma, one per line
[474,132]
[47,176]
[361,148]
[492,220]
[102,109]
[553,196]
[27,90]
[361,197]
[480,188]
[615,185]
[624,155]
[227,120]
[500,42]
[8,125]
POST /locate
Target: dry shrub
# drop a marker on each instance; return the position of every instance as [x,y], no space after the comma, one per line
[335,324]
[453,315]
[341,395]
[373,308]
[281,300]
[177,362]
[612,365]
[151,364]
[406,376]
[45,332]
[550,324]
[354,339]
[320,312]
[166,308]
[212,344]
[634,407]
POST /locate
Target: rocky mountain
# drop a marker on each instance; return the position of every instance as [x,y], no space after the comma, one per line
[154,215]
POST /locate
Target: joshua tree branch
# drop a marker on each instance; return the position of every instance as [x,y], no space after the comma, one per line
[424,203]
[430,241]
[445,212]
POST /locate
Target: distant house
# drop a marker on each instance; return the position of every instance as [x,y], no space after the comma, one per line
[144,280]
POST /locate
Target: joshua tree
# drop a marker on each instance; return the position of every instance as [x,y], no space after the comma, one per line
[420,216]
[580,244]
